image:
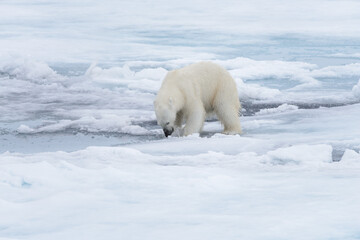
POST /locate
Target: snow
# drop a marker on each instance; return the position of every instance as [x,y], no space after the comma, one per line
[302,153]
[255,91]
[356,90]
[346,55]
[108,123]
[350,156]
[282,108]
[119,192]
[81,155]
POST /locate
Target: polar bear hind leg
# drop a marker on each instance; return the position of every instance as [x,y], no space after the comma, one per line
[228,114]
[230,120]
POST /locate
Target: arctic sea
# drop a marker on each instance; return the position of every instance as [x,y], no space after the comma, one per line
[81,155]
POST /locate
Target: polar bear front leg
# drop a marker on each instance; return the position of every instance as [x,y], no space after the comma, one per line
[194,120]
[179,119]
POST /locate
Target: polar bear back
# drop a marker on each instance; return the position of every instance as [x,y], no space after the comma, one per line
[209,81]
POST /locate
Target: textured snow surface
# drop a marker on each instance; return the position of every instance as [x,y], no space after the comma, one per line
[81,156]
[113,193]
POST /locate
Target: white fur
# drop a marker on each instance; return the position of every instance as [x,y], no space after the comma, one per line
[188,94]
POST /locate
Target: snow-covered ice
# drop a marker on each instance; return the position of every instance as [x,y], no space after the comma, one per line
[123,193]
[81,156]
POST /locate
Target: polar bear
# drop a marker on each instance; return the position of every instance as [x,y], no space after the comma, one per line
[188,94]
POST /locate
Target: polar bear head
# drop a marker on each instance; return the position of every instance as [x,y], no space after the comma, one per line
[165,114]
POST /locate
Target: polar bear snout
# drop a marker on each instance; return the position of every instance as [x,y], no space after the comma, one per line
[168,131]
